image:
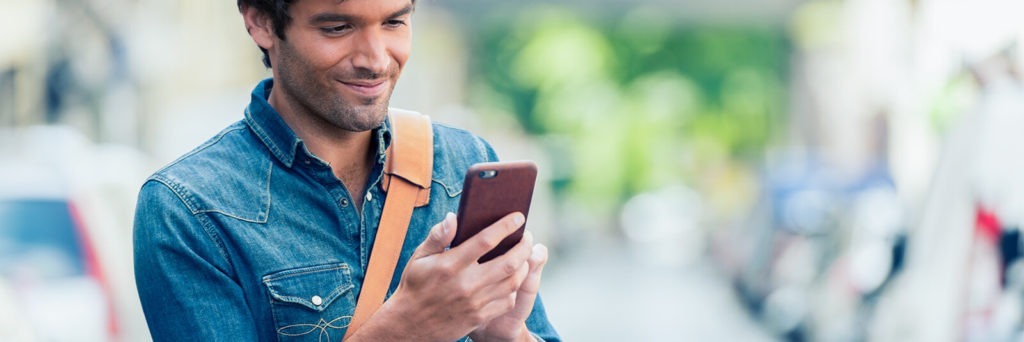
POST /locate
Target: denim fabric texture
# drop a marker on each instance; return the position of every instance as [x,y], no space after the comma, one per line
[251,237]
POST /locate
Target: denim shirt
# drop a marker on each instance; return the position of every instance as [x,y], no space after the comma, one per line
[252,237]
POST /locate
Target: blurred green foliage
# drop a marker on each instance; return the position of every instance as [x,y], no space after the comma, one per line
[636,102]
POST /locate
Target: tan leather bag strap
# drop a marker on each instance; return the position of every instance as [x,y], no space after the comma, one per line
[407,174]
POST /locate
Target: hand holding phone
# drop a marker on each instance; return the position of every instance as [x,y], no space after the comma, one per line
[492,191]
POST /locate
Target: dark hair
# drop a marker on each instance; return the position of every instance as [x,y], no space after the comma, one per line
[277,10]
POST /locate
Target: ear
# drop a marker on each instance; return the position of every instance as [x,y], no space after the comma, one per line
[259,26]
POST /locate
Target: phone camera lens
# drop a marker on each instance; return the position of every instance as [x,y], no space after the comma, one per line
[488,174]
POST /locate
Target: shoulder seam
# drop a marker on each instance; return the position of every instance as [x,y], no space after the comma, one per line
[180,192]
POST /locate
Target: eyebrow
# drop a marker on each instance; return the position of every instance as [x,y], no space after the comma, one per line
[338,17]
[330,18]
[405,10]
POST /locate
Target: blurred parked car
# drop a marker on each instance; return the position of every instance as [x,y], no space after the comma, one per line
[48,259]
[47,256]
[65,233]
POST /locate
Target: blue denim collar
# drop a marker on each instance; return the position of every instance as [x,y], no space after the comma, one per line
[280,139]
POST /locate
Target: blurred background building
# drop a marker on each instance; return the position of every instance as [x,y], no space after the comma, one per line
[835,170]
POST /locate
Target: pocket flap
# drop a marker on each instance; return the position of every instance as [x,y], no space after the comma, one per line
[314,287]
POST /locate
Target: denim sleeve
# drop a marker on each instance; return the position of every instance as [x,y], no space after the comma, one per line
[183,275]
[539,325]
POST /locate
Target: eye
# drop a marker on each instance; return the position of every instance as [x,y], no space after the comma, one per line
[336,29]
[395,23]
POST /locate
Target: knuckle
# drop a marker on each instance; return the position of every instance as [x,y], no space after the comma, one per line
[484,243]
[477,317]
[509,268]
[445,270]
[510,224]
[463,290]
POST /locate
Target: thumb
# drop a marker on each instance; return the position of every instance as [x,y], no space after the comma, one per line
[438,239]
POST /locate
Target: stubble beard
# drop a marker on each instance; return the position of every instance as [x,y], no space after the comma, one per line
[300,80]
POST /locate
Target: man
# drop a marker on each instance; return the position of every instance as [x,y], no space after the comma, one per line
[264,232]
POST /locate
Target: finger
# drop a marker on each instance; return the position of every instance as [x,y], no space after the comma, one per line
[507,264]
[527,293]
[499,306]
[439,237]
[484,241]
[507,286]
[505,274]
[539,258]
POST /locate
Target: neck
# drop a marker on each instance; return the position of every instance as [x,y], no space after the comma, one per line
[348,153]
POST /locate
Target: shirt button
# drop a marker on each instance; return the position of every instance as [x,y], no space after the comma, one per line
[344,202]
[369,196]
[306,161]
[317,300]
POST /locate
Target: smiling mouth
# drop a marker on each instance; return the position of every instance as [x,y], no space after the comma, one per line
[367,88]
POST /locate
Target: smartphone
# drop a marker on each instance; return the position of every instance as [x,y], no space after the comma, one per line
[492,191]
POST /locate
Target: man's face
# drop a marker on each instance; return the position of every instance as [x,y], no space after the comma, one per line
[341,59]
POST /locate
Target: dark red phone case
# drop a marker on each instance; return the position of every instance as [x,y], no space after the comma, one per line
[492,191]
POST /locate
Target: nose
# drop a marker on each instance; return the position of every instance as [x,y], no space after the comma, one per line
[371,52]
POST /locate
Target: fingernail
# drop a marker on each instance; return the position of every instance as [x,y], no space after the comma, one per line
[444,224]
[540,250]
[518,219]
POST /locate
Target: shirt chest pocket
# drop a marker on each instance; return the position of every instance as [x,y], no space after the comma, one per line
[313,303]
